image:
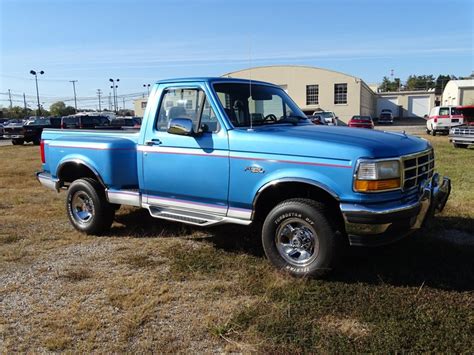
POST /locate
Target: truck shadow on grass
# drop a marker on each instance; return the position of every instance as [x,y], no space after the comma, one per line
[435,258]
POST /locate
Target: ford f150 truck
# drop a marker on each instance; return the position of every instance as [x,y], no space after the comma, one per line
[221,150]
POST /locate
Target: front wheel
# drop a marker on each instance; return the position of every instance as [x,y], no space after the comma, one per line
[18,141]
[298,238]
[87,207]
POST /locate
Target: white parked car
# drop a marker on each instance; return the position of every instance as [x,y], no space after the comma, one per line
[442,118]
[328,116]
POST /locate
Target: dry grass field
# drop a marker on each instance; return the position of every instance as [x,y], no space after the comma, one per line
[151,285]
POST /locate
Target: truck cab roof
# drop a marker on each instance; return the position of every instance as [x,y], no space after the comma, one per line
[211,80]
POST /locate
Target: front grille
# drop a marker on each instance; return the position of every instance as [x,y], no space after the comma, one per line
[416,168]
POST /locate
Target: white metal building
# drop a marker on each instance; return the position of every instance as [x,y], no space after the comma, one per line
[458,93]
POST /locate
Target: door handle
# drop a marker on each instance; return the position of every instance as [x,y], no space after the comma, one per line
[154,141]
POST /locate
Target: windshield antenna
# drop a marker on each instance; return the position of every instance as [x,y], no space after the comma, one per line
[250,77]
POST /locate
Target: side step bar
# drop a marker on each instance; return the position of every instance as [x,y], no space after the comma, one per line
[191,217]
[199,219]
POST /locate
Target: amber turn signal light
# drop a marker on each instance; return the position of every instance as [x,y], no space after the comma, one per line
[376,185]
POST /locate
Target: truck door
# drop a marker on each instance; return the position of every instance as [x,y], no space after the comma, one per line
[186,172]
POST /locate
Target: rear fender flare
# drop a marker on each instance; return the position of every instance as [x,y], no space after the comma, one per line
[79,162]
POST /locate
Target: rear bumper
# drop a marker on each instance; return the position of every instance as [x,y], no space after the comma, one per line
[368,225]
[13,136]
[47,181]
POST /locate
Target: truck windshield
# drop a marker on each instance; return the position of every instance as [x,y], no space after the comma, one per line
[261,104]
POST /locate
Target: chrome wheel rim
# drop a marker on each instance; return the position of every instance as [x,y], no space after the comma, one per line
[297,242]
[82,207]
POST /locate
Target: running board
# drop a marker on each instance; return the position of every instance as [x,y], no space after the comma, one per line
[194,218]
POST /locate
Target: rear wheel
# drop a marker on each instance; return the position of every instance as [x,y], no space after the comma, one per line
[18,141]
[298,238]
[36,141]
[87,207]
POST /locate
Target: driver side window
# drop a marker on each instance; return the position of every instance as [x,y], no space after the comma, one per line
[180,103]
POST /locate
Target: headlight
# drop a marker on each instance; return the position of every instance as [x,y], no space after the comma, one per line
[377,176]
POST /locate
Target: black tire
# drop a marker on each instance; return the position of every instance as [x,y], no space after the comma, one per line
[18,141]
[433,132]
[428,131]
[36,141]
[314,237]
[460,145]
[96,214]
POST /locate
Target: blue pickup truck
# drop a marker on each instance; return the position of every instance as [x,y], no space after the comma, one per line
[220,150]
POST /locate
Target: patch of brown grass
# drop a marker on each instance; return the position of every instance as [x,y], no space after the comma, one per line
[76,274]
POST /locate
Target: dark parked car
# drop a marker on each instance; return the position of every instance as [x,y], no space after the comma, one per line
[385,117]
[84,121]
[126,122]
[33,128]
[29,131]
[361,122]
[13,129]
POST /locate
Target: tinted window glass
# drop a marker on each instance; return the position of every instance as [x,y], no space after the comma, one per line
[209,122]
[259,104]
[455,111]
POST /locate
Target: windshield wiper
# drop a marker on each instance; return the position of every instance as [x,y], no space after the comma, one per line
[293,119]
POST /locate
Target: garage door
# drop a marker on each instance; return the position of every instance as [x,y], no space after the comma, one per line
[418,106]
[389,102]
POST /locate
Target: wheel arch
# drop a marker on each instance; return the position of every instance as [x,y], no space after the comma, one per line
[70,170]
[276,191]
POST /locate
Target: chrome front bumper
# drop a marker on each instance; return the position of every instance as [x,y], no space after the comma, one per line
[385,223]
[47,181]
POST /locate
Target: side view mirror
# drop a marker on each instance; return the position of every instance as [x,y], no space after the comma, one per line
[181,126]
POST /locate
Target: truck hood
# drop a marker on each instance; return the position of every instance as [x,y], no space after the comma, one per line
[332,142]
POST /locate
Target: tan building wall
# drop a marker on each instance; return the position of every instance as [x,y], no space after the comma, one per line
[368,101]
[294,79]
[140,105]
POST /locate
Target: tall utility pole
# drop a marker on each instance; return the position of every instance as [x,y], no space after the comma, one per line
[110,101]
[24,102]
[10,98]
[32,72]
[99,92]
[123,102]
[74,88]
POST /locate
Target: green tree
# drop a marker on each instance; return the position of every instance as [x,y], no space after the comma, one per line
[60,109]
[420,82]
[57,108]
[389,85]
[16,112]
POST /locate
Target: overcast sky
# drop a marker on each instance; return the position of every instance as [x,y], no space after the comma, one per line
[142,41]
